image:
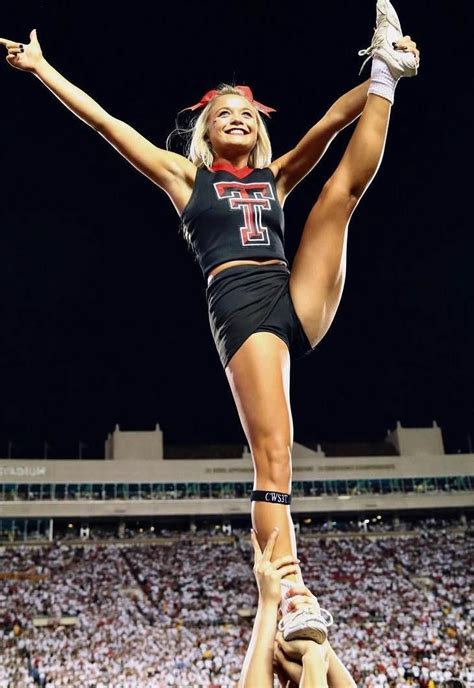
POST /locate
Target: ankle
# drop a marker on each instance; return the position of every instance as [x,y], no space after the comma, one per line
[382,82]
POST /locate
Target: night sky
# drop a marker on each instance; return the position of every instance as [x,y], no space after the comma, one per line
[102,306]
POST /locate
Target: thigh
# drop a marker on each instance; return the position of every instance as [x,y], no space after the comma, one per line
[259,377]
[319,268]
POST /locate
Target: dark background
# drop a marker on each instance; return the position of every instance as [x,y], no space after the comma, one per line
[102,307]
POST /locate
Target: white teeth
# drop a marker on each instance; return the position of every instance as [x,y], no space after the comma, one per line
[236,131]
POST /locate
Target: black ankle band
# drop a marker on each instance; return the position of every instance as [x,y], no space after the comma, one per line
[270,497]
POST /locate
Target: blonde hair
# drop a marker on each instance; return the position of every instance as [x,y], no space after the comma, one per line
[200,152]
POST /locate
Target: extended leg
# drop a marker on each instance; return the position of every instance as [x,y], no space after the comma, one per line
[319,267]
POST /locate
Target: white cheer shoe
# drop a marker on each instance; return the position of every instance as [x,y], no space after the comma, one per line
[387,32]
[306,624]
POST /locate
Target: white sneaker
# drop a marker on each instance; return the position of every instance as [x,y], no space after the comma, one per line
[306,624]
[387,32]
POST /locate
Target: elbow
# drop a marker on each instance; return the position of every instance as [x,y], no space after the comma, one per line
[101,122]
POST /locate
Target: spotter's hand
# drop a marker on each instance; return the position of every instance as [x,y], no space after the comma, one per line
[301,597]
[408,46]
[268,573]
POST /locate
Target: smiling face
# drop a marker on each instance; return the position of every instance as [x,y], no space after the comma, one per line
[232,126]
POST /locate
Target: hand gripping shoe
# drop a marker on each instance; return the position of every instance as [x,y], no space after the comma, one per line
[306,624]
[387,32]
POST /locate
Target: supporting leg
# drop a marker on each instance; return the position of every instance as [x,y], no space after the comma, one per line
[258,375]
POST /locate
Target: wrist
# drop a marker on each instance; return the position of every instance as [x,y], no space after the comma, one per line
[314,653]
[40,67]
[268,605]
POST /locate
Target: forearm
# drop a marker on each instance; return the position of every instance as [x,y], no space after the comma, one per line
[349,106]
[82,105]
[338,676]
[257,670]
[295,165]
[314,673]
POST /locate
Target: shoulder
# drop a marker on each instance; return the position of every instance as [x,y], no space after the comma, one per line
[275,168]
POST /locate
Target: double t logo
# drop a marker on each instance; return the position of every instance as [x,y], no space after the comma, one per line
[250,199]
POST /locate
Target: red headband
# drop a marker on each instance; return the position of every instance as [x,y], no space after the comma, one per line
[244,91]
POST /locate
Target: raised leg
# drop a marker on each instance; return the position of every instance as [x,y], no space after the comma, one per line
[319,268]
[259,375]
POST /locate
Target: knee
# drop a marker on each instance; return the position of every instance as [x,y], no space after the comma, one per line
[272,458]
[340,195]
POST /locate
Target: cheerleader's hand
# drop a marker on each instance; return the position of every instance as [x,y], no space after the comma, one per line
[21,56]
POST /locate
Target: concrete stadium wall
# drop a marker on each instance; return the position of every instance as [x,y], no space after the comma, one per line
[203,507]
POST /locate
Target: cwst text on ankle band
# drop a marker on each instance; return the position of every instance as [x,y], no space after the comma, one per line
[270,497]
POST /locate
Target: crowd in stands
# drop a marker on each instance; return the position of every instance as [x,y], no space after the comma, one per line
[148,530]
[151,615]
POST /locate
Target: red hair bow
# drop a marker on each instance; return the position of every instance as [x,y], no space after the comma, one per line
[244,90]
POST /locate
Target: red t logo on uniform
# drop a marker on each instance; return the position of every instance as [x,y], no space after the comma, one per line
[250,199]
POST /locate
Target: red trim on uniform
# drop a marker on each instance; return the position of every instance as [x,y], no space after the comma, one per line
[240,173]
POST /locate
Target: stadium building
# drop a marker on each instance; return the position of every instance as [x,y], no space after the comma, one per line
[408,473]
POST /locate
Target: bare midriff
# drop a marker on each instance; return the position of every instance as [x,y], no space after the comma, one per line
[231,263]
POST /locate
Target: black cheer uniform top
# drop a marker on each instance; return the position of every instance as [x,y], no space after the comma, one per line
[234,215]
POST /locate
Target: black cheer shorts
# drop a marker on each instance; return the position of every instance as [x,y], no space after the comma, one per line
[244,299]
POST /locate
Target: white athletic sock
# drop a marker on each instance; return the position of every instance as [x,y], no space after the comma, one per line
[382,82]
